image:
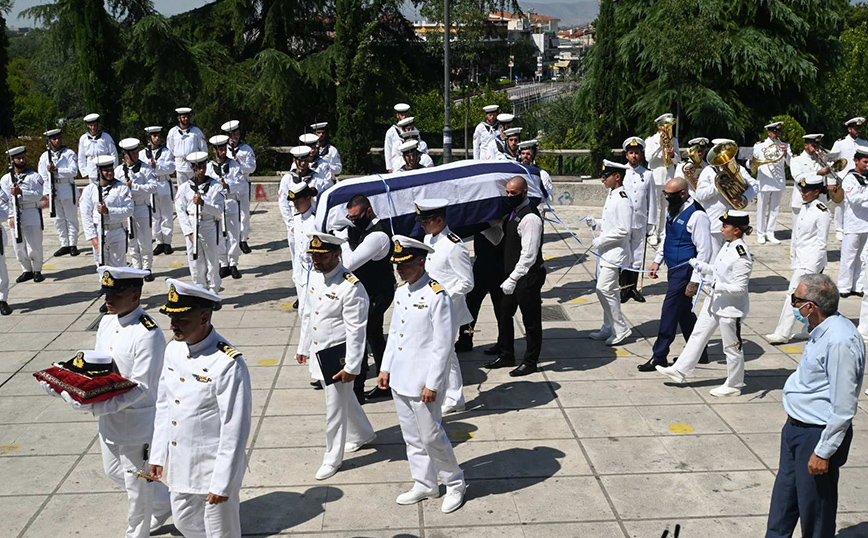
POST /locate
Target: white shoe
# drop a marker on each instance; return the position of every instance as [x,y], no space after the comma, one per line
[723,390]
[616,339]
[159,521]
[413,496]
[600,335]
[671,373]
[775,338]
[653,241]
[452,501]
[839,236]
[354,447]
[761,239]
[772,239]
[449,409]
[326,471]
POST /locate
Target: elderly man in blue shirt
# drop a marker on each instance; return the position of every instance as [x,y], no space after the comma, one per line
[820,398]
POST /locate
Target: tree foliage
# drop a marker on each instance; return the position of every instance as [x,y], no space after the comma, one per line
[7,128]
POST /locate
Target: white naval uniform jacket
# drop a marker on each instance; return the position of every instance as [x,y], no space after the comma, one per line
[210,212]
[482,136]
[712,201]
[32,187]
[302,224]
[391,143]
[90,147]
[118,199]
[232,174]
[66,163]
[245,157]
[421,336]
[654,158]
[801,166]
[846,149]
[450,265]
[164,167]
[335,311]
[729,276]
[137,345]
[182,142]
[855,203]
[639,184]
[203,417]
[810,237]
[616,224]
[330,156]
[771,177]
[143,182]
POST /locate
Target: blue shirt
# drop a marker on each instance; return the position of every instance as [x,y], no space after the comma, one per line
[825,387]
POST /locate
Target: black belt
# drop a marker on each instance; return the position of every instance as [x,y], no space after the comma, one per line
[801,424]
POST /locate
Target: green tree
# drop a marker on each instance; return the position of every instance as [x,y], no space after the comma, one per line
[7,128]
[603,85]
[843,93]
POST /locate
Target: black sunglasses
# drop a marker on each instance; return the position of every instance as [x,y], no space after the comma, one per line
[794,299]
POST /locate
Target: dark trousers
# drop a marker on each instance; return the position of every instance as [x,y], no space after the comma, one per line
[676,313]
[377,307]
[527,298]
[486,281]
[799,495]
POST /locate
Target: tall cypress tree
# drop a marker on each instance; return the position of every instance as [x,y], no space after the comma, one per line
[95,41]
[353,84]
[605,91]
[6,126]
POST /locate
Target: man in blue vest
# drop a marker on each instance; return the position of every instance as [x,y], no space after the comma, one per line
[688,235]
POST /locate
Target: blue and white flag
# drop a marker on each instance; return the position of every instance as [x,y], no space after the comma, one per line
[475,190]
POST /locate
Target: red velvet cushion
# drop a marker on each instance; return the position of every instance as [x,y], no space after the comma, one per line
[85,389]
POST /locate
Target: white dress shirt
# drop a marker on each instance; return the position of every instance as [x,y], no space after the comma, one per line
[164,167]
[142,181]
[654,154]
[699,227]
[482,136]
[118,200]
[390,145]
[210,212]
[375,246]
[530,230]
[846,149]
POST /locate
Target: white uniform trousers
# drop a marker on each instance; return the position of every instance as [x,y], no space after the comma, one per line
[66,222]
[863,318]
[839,216]
[637,247]
[4,274]
[659,220]
[230,246]
[767,205]
[141,253]
[29,250]
[429,450]
[455,382]
[163,225]
[145,498]
[244,203]
[204,270]
[115,249]
[730,334]
[850,270]
[195,518]
[787,321]
[609,294]
[346,421]
[716,242]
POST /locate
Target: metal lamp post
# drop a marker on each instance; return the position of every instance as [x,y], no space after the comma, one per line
[447,129]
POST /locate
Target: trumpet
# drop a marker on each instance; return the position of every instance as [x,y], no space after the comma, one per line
[729,181]
[771,154]
[666,141]
[693,168]
[837,165]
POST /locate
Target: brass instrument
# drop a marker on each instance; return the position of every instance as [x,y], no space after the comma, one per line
[729,181]
[693,168]
[666,141]
[837,165]
[771,154]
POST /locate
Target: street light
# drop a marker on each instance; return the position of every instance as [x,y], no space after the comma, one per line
[447,129]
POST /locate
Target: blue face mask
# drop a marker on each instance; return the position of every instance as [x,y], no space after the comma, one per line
[798,315]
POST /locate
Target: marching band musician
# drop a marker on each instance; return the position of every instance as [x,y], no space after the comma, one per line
[203,415]
[207,193]
[702,146]
[661,173]
[393,135]
[162,162]
[855,187]
[245,157]
[5,210]
[231,179]
[327,152]
[117,206]
[28,188]
[485,131]
[845,148]
[93,143]
[772,182]
[62,165]
[497,143]
[726,306]
[806,164]
[142,182]
[182,140]
[808,248]
[413,158]
[639,185]
[613,245]
[335,314]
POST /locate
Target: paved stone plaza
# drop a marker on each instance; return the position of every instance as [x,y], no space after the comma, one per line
[587,447]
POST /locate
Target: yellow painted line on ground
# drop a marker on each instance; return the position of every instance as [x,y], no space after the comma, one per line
[9,448]
[286,306]
[622,353]
[267,362]
[548,258]
[792,349]
[460,436]
[578,300]
[49,267]
[175,265]
[679,428]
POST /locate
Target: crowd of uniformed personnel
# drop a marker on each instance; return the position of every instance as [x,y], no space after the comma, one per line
[194,415]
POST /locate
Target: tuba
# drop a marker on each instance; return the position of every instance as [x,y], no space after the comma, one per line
[666,141]
[771,154]
[729,181]
[693,168]
[837,165]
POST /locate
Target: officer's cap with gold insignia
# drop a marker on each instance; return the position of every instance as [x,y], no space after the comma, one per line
[51,132]
[308,139]
[663,118]
[407,249]
[505,118]
[431,207]
[861,148]
[104,161]
[230,126]
[858,122]
[89,362]
[129,144]
[736,218]
[774,126]
[633,143]
[197,157]
[412,133]
[528,144]
[218,140]
[183,110]
[18,151]
[300,152]
[117,279]
[409,120]
[700,141]
[323,243]
[153,129]
[408,146]
[611,167]
[488,109]
[512,131]
[184,297]
[300,189]
[90,118]
[812,182]
[319,126]
[402,107]
[813,138]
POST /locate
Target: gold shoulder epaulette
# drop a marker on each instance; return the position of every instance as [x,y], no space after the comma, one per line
[822,207]
[741,250]
[351,278]
[228,350]
[454,238]
[623,194]
[436,286]
[401,283]
[148,322]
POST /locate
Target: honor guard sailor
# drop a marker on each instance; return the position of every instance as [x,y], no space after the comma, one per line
[393,135]
[845,148]
[327,152]
[58,166]
[406,125]
[5,210]
[24,188]
[413,158]
[855,187]
[639,185]
[182,140]
[139,177]
[303,173]
[662,155]
[203,419]
[162,162]
[485,131]
[497,143]
[510,147]
[231,179]
[772,180]
[93,143]
[333,323]
[527,156]
[199,206]
[103,223]
[245,157]
[416,368]
[303,224]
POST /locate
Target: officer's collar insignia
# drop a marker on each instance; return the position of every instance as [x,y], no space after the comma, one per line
[398,248]
[107,280]
[173,294]
[78,360]
[316,242]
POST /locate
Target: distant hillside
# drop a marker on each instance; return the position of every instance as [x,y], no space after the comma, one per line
[570,14]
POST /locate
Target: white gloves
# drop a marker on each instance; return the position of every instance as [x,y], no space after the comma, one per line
[595,244]
[48,390]
[78,406]
[692,262]
[592,223]
[508,286]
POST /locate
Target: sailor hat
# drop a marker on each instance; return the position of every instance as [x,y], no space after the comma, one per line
[512,131]
[183,297]
[89,362]
[18,151]
[775,125]
[611,167]
[408,249]
[129,144]
[430,207]
[300,189]
[717,141]
[218,140]
[407,121]
[813,138]
[862,148]
[90,118]
[736,218]
[858,121]
[528,144]
[117,279]
[701,141]
[319,126]
[300,152]
[402,107]
[412,133]
[308,139]
[154,129]
[102,161]
[51,132]
[505,118]
[322,243]
[231,125]
[488,109]
[183,110]
[408,146]
[197,157]
[664,117]
[812,181]
[634,143]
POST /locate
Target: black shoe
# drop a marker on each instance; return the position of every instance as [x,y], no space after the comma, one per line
[638,297]
[37,277]
[159,249]
[859,293]
[377,392]
[625,296]
[502,361]
[103,309]
[845,295]
[703,359]
[493,350]
[224,271]
[463,345]
[149,277]
[73,251]
[295,305]
[317,385]
[24,277]
[62,251]
[244,247]
[649,366]
[4,308]
[168,249]
[236,274]
[525,368]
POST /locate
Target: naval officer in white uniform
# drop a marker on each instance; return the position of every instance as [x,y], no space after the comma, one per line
[639,185]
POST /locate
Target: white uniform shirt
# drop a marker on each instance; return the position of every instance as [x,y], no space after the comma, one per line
[729,276]
[246,159]
[391,144]
[211,211]
[32,188]
[182,142]
[482,136]
[846,149]
[90,147]
[375,246]
[450,265]
[639,185]
[302,224]
[771,177]
[164,166]
[855,203]
[143,182]
[654,157]
[421,336]
[203,417]
[493,150]
[335,312]
[615,227]
[801,166]
[136,344]
[530,231]
[810,237]
[118,199]
[64,177]
[397,158]
[231,173]
[330,156]
[699,228]
[712,201]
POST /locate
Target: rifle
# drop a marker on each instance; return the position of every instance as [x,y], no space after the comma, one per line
[196,224]
[150,155]
[219,168]
[16,202]
[101,225]
[130,222]
[52,194]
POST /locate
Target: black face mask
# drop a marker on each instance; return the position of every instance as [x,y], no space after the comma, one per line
[675,202]
[514,201]
[362,222]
